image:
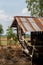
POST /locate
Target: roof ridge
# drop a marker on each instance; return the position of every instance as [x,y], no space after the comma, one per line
[27,17]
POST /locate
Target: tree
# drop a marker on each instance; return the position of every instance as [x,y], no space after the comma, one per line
[11,34]
[35,7]
[1,31]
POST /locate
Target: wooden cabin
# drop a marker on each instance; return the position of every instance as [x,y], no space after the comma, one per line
[34,25]
[24,24]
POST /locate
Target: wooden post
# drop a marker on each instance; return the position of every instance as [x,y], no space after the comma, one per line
[19,32]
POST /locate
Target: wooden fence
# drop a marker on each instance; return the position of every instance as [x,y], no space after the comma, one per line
[5,41]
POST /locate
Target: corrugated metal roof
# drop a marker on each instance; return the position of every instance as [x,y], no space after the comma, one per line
[29,24]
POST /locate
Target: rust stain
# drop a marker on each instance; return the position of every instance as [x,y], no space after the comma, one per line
[27,20]
[38,23]
[22,24]
[42,19]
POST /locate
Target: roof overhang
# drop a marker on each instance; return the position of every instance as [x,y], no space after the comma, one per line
[28,24]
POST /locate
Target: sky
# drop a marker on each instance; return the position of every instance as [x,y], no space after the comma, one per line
[11,8]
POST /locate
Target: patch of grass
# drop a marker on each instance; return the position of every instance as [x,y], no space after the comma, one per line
[4,42]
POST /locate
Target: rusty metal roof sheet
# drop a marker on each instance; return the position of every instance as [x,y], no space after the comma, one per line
[29,24]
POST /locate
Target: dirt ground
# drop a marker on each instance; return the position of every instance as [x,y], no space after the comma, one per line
[13,55]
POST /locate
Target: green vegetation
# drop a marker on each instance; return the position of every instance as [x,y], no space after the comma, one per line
[4,41]
[27,35]
[1,31]
[11,35]
[35,7]
[11,38]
